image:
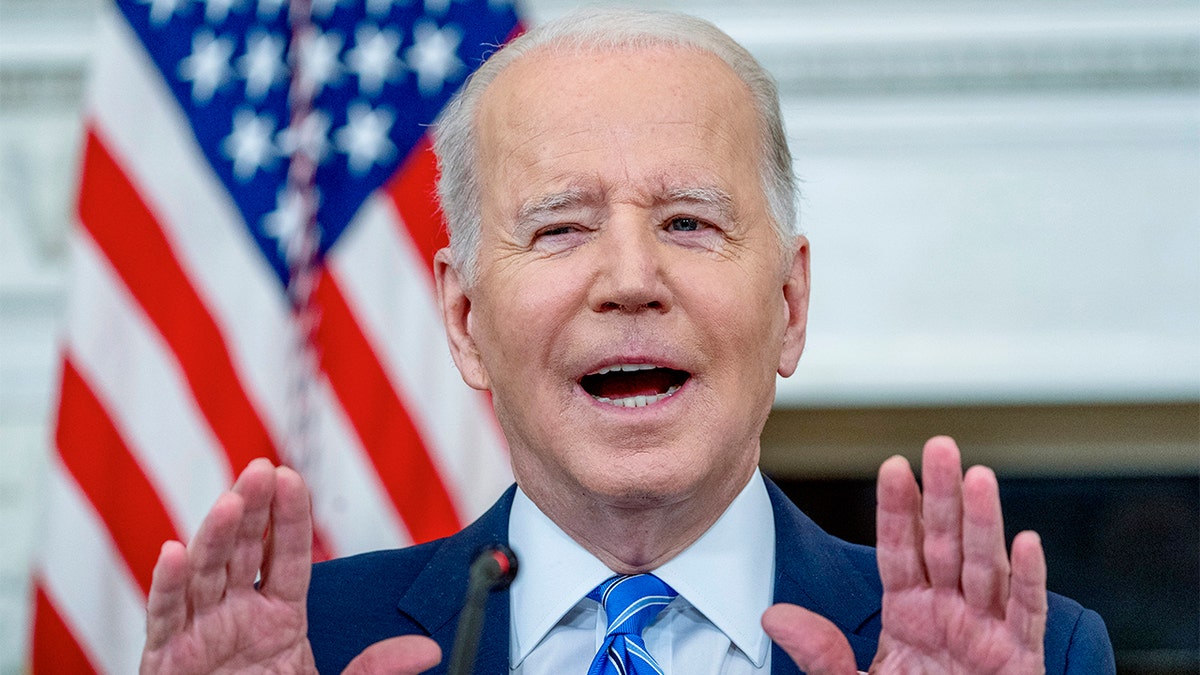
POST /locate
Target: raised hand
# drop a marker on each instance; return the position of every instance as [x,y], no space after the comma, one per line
[953,602]
[204,613]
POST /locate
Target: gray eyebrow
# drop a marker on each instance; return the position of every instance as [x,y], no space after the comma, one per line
[556,201]
[707,196]
[539,207]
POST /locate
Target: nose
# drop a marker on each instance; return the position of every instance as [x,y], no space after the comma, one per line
[630,271]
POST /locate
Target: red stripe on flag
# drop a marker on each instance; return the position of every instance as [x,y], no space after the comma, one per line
[111,209]
[413,190]
[54,649]
[94,453]
[380,419]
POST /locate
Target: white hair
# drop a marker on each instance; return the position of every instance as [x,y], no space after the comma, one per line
[456,140]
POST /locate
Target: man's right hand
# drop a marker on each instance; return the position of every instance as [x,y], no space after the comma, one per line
[205,614]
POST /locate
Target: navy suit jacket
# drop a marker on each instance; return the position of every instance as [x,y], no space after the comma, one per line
[354,602]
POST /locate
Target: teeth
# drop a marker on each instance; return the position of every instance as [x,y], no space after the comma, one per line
[638,401]
[626,368]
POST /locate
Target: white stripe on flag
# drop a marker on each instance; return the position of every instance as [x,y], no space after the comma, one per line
[388,289]
[348,498]
[131,370]
[88,581]
[130,103]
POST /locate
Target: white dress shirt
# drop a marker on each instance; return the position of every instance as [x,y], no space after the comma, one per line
[725,581]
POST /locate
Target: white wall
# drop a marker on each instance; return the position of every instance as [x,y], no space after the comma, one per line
[1003,201]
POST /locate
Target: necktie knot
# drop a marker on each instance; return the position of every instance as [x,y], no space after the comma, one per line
[631,602]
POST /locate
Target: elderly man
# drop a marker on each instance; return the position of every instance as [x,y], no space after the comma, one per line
[626,280]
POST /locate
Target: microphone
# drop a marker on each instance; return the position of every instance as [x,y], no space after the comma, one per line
[493,569]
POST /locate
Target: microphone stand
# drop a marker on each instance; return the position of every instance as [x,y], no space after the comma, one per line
[493,569]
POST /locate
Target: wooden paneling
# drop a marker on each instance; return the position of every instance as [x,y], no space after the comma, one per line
[1128,439]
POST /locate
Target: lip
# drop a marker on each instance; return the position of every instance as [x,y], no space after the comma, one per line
[661,405]
[640,360]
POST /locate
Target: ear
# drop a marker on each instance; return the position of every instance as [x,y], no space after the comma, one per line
[455,304]
[795,298]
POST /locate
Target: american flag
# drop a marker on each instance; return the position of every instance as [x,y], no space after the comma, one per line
[252,276]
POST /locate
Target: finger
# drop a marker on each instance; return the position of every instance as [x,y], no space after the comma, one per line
[166,606]
[814,643]
[210,551]
[985,560]
[942,512]
[405,655]
[898,527]
[1027,605]
[256,486]
[288,565]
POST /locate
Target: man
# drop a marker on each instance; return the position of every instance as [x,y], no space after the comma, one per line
[626,280]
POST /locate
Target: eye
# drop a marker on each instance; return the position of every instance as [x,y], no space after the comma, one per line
[685,224]
[556,230]
[559,237]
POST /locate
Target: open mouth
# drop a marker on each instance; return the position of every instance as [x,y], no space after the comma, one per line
[633,385]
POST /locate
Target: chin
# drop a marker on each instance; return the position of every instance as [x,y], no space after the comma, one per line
[645,487]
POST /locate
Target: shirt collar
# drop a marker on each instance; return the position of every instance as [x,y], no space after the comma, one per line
[556,572]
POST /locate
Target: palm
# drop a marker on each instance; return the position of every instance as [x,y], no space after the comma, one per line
[247,635]
[952,600]
[928,631]
[205,614]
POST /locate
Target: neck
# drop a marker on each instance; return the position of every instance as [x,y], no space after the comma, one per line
[640,537]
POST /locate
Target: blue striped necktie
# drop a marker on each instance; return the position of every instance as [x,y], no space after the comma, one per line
[631,602]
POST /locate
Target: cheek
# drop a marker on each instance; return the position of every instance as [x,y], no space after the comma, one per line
[745,338]
[742,315]
[522,323]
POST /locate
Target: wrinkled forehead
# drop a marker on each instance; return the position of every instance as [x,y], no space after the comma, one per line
[559,72]
[663,108]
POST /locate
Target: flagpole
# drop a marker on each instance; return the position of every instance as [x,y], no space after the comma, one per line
[302,255]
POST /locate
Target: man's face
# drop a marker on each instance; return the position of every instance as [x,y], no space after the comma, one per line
[633,302]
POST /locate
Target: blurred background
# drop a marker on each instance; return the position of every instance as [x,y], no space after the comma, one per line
[1003,201]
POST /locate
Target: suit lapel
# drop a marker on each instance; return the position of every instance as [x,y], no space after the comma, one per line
[826,575]
[435,598]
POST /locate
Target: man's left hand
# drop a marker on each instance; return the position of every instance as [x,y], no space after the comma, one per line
[953,600]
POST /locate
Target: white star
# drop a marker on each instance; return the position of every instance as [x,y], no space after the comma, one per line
[437,6]
[374,58]
[249,146]
[269,9]
[309,137]
[319,63]
[286,224]
[324,8]
[207,68]
[161,11]
[216,11]
[434,56]
[381,8]
[364,139]
[262,65]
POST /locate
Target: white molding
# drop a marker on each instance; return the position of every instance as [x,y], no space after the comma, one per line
[874,47]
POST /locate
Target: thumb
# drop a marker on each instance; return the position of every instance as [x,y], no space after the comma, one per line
[404,655]
[814,643]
